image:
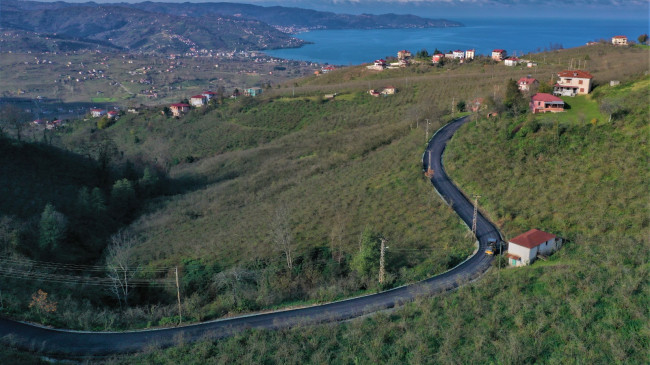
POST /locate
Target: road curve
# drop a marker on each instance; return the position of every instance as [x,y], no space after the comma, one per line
[70,344]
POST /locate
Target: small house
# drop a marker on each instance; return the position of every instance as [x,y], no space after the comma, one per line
[389,90]
[374,92]
[197,100]
[179,108]
[543,103]
[458,54]
[477,105]
[209,95]
[112,114]
[253,91]
[525,83]
[96,113]
[403,55]
[470,54]
[572,83]
[327,69]
[525,248]
[499,54]
[511,61]
[619,40]
[436,58]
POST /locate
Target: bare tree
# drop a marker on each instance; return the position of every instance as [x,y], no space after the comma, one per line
[336,238]
[281,235]
[121,265]
[13,117]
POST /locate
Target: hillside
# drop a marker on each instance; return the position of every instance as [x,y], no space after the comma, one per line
[588,301]
[138,30]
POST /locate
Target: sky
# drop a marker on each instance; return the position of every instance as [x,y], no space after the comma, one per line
[460,8]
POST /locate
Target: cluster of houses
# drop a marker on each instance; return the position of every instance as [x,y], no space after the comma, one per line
[199,100]
[48,124]
[98,113]
[570,83]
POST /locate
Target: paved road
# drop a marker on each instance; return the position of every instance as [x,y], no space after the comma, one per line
[64,343]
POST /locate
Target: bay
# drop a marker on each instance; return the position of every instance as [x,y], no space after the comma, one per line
[515,35]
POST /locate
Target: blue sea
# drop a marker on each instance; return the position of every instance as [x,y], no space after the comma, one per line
[515,35]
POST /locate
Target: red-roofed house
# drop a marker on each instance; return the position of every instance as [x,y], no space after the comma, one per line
[458,54]
[178,109]
[403,55]
[511,61]
[209,95]
[379,65]
[470,54]
[525,83]
[197,100]
[542,103]
[523,249]
[96,113]
[619,40]
[112,114]
[572,83]
[437,57]
[499,54]
[477,105]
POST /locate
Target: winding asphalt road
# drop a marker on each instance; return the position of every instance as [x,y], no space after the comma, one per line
[71,344]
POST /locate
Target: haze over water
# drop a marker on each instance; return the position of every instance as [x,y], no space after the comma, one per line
[350,47]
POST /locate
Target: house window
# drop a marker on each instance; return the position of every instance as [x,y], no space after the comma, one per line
[580,82]
[582,90]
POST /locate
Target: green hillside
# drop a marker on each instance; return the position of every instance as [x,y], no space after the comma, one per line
[588,303]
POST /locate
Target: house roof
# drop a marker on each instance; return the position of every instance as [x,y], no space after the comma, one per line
[209,93]
[532,238]
[512,59]
[575,73]
[458,50]
[526,80]
[499,50]
[546,98]
[620,37]
[198,97]
[180,105]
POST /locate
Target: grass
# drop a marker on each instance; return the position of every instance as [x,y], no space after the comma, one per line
[103,100]
[581,109]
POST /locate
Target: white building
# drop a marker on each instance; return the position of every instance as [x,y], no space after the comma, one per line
[619,40]
[197,100]
[523,249]
[469,54]
[458,54]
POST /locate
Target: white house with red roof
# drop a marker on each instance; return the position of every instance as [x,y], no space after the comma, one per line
[572,83]
[470,54]
[511,61]
[458,54]
[619,40]
[179,108]
[379,65]
[525,83]
[499,54]
[543,103]
[524,249]
[112,114]
[96,113]
[198,100]
[209,95]
[436,58]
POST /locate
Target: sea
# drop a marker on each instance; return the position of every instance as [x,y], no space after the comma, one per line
[517,36]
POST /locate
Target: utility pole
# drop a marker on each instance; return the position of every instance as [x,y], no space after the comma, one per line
[382,271]
[426,136]
[475,214]
[453,106]
[178,294]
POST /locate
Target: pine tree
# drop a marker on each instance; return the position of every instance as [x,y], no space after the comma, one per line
[52,228]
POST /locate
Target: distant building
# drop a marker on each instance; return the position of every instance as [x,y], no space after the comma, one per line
[619,40]
[179,108]
[524,249]
[525,83]
[253,91]
[327,69]
[470,54]
[112,114]
[511,61]
[403,55]
[378,65]
[458,54]
[96,113]
[543,103]
[436,58]
[389,90]
[531,64]
[374,92]
[209,95]
[499,54]
[198,100]
[572,83]
[477,105]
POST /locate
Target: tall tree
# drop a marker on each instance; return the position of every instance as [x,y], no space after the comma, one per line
[366,261]
[12,117]
[121,264]
[52,228]
[281,235]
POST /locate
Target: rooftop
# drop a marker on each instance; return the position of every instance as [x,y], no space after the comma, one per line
[575,73]
[532,238]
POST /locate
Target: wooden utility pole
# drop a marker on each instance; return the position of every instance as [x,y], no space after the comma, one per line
[475,214]
[382,272]
[426,136]
[178,294]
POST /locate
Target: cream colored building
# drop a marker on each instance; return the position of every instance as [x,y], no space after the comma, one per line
[523,249]
[619,40]
[572,83]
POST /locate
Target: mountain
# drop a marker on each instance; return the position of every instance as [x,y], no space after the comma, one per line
[140,30]
[297,18]
[173,27]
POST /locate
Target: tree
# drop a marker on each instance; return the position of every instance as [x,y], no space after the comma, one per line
[366,261]
[121,264]
[460,106]
[12,117]
[514,102]
[52,228]
[8,235]
[281,235]
[123,201]
[643,38]
[610,106]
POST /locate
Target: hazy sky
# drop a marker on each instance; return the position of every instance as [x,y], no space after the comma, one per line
[460,8]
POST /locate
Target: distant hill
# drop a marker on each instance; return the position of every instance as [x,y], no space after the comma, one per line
[139,30]
[289,17]
[172,27]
